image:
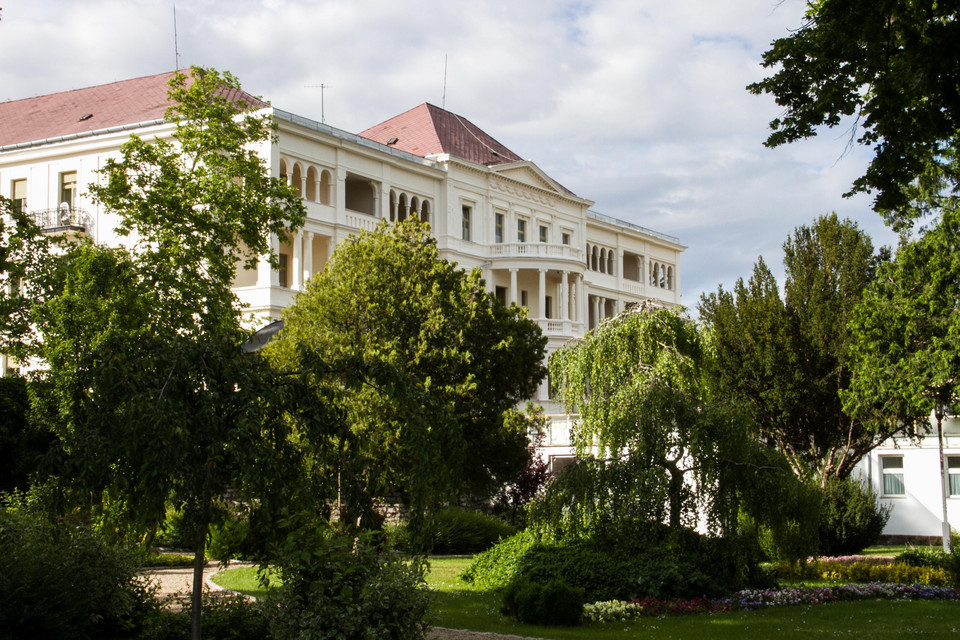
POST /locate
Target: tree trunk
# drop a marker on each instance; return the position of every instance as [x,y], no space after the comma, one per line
[196,597]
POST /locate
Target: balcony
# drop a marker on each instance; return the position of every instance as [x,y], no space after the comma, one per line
[63,219]
[536,250]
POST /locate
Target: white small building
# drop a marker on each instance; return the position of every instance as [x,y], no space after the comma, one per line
[905,474]
[538,244]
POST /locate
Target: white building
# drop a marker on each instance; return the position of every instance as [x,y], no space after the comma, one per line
[538,244]
[905,474]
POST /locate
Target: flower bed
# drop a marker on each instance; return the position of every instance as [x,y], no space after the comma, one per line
[859,569]
[618,610]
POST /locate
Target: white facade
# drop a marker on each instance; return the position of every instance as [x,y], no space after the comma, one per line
[538,245]
[905,474]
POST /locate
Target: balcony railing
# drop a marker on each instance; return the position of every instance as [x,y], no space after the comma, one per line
[536,250]
[63,218]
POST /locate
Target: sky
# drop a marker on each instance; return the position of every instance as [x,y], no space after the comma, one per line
[637,105]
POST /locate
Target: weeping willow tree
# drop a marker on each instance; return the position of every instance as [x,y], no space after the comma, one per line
[652,445]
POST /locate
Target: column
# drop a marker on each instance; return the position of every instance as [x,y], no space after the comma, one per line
[596,311]
[307,256]
[266,275]
[513,286]
[297,265]
[564,296]
[542,292]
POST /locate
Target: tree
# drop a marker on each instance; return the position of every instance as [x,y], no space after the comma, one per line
[636,383]
[905,353]
[788,356]
[446,364]
[147,388]
[893,65]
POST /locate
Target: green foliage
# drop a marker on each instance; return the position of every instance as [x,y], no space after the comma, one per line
[496,567]
[23,444]
[460,531]
[552,603]
[906,352]
[850,517]
[65,583]
[445,364]
[637,384]
[863,572]
[344,587]
[224,618]
[894,67]
[788,356]
[635,560]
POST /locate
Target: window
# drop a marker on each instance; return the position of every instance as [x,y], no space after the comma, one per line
[892,469]
[521,230]
[548,311]
[953,473]
[559,464]
[284,271]
[498,229]
[19,190]
[523,298]
[565,238]
[501,294]
[466,211]
[543,233]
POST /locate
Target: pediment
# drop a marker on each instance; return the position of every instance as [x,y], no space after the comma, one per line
[529,174]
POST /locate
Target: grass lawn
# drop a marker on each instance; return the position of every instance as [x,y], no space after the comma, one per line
[457,605]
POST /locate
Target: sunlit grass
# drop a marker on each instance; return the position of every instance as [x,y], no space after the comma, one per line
[458,605]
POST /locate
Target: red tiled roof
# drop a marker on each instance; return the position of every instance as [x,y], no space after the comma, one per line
[109,105]
[427,130]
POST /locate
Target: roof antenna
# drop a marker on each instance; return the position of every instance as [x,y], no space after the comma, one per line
[176,46]
[322,87]
[443,104]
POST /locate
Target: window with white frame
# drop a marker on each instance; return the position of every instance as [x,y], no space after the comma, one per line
[953,475]
[498,228]
[19,192]
[892,469]
[68,189]
[466,214]
[564,238]
[521,230]
[543,233]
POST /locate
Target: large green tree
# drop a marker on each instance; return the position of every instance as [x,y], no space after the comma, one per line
[445,363]
[890,69]
[905,353]
[144,379]
[787,356]
[668,452]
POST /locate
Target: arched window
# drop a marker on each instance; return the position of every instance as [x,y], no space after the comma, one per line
[283,170]
[326,187]
[603,260]
[593,259]
[402,208]
[670,278]
[312,184]
[610,262]
[297,179]
[655,275]
[415,206]
[393,205]
[425,211]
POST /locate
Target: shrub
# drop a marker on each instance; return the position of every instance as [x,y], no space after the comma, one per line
[344,587]
[458,530]
[66,583]
[224,618]
[864,571]
[634,560]
[851,519]
[553,603]
[496,567]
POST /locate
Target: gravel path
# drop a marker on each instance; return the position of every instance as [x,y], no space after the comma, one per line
[176,583]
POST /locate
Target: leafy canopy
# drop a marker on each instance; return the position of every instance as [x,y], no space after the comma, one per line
[893,66]
[446,364]
[787,356]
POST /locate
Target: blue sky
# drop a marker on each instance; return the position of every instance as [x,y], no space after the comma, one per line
[638,105]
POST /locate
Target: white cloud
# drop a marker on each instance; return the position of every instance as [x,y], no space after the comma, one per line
[639,106]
